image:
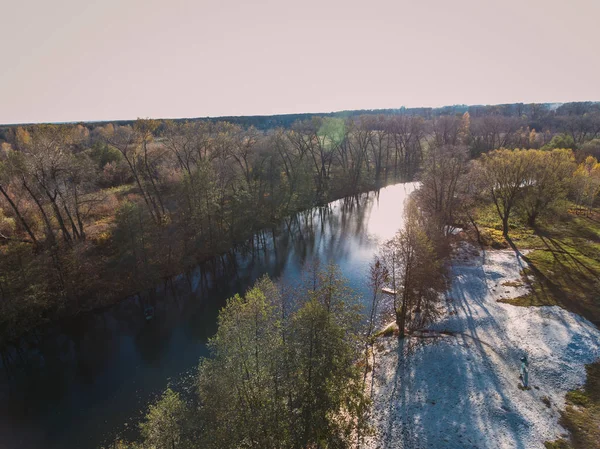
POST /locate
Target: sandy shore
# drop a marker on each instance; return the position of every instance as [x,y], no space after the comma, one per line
[462,390]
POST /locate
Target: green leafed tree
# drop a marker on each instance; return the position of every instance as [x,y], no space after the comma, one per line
[548,181]
[560,141]
[506,173]
[163,427]
[284,378]
[586,183]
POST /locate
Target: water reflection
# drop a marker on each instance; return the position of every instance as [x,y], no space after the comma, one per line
[76,384]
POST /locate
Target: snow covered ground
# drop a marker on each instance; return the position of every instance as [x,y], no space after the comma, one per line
[462,390]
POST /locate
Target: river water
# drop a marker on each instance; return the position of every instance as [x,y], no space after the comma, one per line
[80,383]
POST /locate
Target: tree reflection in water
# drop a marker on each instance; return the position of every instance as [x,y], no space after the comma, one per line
[76,383]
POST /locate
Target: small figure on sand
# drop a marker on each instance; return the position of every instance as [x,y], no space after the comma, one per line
[524,376]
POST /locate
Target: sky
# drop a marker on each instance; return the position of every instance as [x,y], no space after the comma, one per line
[73,60]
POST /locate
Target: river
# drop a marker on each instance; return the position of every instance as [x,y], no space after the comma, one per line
[81,382]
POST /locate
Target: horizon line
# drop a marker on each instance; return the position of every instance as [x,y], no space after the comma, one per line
[210,117]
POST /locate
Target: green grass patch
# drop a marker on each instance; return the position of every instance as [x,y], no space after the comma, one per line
[491,230]
[582,414]
[388,331]
[564,258]
[579,398]
[530,300]
[123,190]
[512,284]
[564,274]
[558,444]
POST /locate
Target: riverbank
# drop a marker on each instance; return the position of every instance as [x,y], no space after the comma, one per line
[461,388]
[91,379]
[127,257]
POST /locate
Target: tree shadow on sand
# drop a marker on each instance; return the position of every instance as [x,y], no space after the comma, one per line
[446,393]
[570,273]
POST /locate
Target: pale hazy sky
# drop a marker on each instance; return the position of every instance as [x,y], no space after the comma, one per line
[70,60]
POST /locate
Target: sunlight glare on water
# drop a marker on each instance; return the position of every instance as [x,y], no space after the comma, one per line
[388,217]
[101,370]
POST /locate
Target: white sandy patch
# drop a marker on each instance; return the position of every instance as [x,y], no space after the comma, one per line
[462,391]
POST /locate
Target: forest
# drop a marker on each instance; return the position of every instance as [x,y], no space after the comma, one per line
[92,213]
[289,365]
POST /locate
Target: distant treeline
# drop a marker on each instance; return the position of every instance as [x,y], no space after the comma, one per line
[539,116]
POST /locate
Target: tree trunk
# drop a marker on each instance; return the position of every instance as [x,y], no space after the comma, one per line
[66,235]
[78,215]
[19,216]
[49,232]
[505,225]
[472,220]
[401,321]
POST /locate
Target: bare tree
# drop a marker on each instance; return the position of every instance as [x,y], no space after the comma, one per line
[189,142]
[415,273]
[51,172]
[437,196]
[5,180]
[133,143]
